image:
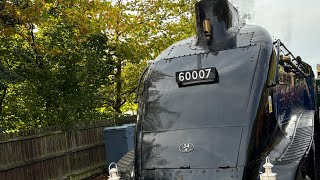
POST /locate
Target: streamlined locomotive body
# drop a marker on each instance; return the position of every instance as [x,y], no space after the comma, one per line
[214,106]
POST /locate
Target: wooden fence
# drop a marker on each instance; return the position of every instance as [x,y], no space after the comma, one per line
[54,154]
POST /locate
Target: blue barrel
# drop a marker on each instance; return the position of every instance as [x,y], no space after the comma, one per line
[118,141]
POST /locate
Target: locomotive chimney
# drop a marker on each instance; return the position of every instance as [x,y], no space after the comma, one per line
[214,19]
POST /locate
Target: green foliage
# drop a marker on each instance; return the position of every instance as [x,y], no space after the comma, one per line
[139,31]
[85,60]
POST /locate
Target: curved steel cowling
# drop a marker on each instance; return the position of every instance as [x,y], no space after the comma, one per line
[216,118]
[223,128]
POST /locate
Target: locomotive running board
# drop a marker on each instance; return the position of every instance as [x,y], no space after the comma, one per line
[301,140]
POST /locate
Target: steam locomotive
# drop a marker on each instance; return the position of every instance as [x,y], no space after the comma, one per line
[216,105]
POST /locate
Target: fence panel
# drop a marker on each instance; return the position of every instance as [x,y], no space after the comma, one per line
[54,154]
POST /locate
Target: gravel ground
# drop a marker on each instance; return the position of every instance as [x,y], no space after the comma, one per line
[99,177]
[105,177]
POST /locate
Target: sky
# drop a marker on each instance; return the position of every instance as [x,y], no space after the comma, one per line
[296,23]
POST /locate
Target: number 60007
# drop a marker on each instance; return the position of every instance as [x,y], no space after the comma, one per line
[194,75]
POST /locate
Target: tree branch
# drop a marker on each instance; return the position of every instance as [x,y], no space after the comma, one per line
[109,103]
[33,44]
[4,93]
[125,100]
[129,92]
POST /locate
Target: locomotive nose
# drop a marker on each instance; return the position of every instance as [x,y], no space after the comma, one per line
[204,153]
[203,148]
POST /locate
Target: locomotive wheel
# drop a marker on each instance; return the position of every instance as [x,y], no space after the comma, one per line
[126,165]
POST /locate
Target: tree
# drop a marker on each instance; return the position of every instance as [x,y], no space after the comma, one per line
[52,77]
[64,62]
[139,31]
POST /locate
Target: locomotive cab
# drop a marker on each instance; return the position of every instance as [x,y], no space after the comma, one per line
[214,106]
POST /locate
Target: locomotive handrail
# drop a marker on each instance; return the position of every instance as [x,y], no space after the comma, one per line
[289,53]
[288,60]
[275,80]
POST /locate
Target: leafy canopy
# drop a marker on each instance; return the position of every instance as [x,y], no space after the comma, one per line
[65,62]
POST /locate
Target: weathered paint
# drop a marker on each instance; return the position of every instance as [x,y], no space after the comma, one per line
[230,123]
[318,91]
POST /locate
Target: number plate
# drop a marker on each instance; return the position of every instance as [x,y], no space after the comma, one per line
[200,76]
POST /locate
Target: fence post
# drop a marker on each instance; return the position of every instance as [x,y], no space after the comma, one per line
[68,152]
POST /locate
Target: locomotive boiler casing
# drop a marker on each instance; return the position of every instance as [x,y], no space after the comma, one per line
[225,129]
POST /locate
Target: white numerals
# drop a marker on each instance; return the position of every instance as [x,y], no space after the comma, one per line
[188,76]
[202,74]
[181,76]
[208,72]
[194,75]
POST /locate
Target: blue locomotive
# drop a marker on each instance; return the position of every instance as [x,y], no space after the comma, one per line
[216,105]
